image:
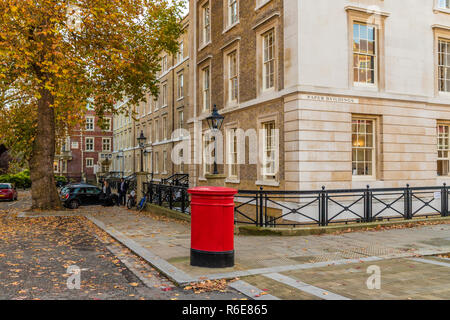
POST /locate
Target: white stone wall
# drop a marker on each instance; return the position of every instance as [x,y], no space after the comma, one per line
[318,137]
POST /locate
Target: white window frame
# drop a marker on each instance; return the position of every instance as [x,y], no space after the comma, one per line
[356,147]
[157,133]
[164,162]
[206,23]
[108,140]
[180,53]
[443,147]
[91,161]
[206,88]
[444,66]
[269,135]
[180,86]
[164,95]
[233,76]
[233,12]
[366,54]
[269,61]
[86,144]
[180,120]
[232,154]
[443,4]
[156,162]
[164,65]
[109,122]
[90,122]
[164,128]
[207,139]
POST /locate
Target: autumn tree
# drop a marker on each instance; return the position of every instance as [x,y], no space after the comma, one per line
[56,56]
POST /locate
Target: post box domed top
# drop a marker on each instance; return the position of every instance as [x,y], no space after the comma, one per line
[213,191]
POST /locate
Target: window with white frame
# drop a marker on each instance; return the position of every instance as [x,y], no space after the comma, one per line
[164,95]
[364,53]
[156,162]
[180,167]
[157,130]
[233,76]
[444,65]
[206,24]
[106,144]
[180,53]
[232,153]
[444,4]
[206,89]
[149,132]
[89,162]
[269,59]
[233,12]
[165,161]
[363,147]
[443,159]
[181,120]
[164,128]
[90,123]
[164,64]
[89,144]
[269,151]
[180,85]
[208,157]
[107,124]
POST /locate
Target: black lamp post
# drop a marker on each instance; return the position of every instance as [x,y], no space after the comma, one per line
[141,141]
[215,121]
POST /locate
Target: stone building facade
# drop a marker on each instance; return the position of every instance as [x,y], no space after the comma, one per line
[157,119]
[358,90]
[124,150]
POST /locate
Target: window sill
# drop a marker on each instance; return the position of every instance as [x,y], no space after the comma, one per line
[228,28]
[363,179]
[204,45]
[181,98]
[267,183]
[231,180]
[444,94]
[441,10]
[261,5]
[365,86]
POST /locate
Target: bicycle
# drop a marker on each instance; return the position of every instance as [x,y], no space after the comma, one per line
[142,203]
[131,202]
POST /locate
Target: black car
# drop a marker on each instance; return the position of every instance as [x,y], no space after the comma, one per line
[77,195]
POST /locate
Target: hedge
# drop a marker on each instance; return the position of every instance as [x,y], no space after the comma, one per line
[23,180]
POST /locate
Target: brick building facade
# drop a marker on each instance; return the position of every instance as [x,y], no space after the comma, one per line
[86,152]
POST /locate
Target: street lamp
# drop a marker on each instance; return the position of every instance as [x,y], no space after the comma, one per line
[215,121]
[141,141]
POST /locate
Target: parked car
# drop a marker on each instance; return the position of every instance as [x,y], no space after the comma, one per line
[8,192]
[76,195]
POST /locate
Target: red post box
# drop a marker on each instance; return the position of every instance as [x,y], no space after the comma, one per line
[212,227]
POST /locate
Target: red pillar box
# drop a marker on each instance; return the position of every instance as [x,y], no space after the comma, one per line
[212,227]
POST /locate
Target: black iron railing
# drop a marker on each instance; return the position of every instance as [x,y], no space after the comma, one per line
[178,179]
[325,207]
[170,196]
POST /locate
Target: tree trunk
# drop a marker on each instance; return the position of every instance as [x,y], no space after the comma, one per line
[43,191]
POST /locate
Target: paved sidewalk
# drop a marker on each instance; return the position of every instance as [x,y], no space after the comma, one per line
[169,241]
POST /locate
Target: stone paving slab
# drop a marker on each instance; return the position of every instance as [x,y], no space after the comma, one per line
[401,279]
[165,243]
[170,240]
